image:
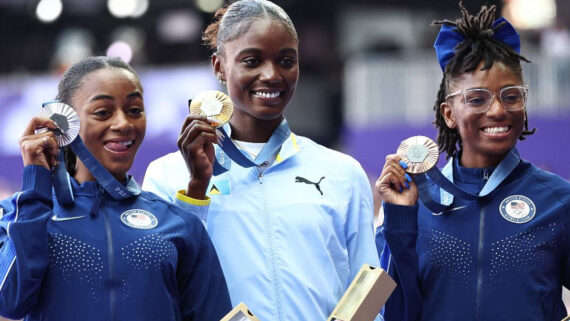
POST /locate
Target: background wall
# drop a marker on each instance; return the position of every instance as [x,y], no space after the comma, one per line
[368,73]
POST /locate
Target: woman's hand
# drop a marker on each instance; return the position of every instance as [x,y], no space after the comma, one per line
[196,145]
[41,148]
[394,185]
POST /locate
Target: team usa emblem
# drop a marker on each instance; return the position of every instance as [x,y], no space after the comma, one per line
[140,219]
[517,209]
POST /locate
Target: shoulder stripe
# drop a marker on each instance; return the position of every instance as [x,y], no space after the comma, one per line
[294,141]
[16,215]
[9,252]
[3,273]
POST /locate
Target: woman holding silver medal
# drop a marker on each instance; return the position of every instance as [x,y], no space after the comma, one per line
[99,248]
[291,220]
[499,249]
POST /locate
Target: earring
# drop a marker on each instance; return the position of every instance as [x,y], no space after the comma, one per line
[219,76]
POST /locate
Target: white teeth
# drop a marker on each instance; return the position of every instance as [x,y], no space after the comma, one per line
[267,95]
[495,130]
[126,143]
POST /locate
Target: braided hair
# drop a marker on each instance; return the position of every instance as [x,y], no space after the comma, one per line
[478,46]
[231,22]
[73,79]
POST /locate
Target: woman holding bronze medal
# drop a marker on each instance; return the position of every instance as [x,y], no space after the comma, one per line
[495,244]
[291,220]
[96,247]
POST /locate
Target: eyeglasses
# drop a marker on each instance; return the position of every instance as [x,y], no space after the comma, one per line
[478,100]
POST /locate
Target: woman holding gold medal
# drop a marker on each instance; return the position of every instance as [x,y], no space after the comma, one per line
[291,220]
[96,247]
[496,244]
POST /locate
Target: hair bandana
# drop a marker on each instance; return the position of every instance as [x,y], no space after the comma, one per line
[448,38]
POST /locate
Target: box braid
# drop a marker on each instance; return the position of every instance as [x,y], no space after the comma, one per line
[478,46]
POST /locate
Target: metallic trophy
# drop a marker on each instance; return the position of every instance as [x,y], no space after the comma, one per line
[240,313]
[365,296]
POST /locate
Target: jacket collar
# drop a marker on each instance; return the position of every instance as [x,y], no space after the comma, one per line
[92,187]
[288,148]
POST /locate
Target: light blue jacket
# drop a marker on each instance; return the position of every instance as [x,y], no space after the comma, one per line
[287,251]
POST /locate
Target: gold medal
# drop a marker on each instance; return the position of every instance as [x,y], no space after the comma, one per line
[66,120]
[420,153]
[215,105]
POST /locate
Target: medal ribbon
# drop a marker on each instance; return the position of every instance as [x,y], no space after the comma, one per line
[62,184]
[229,149]
[506,166]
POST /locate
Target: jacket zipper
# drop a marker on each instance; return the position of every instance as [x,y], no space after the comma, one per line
[110,254]
[480,254]
[271,251]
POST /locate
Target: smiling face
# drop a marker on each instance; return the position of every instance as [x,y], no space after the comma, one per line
[110,107]
[486,137]
[261,70]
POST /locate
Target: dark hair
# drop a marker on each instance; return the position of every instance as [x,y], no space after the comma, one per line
[73,79]
[231,22]
[477,47]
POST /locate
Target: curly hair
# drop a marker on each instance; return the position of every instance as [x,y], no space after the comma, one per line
[478,46]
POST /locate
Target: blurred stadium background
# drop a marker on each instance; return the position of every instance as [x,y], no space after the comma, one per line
[368,73]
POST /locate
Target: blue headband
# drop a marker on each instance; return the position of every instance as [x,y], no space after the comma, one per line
[448,38]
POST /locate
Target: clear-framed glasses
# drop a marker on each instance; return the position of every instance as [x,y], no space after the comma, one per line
[478,100]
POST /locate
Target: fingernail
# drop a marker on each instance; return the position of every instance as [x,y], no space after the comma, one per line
[403,164]
[401,189]
[408,178]
[407,185]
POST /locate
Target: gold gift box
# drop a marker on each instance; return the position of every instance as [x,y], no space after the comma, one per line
[240,313]
[365,296]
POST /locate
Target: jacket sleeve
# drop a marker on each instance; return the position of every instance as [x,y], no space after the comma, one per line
[156,180]
[399,258]
[192,205]
[203,290]
[360,225]
[24,253]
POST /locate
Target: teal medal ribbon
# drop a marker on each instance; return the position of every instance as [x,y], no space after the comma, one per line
[228,151]
[62,184]
[503,170]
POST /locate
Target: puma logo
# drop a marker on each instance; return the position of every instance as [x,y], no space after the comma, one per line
[300,179]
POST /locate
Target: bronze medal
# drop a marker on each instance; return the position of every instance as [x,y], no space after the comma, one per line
[420,153]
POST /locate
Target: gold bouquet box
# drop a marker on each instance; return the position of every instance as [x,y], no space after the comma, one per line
[365,296]
[240,313]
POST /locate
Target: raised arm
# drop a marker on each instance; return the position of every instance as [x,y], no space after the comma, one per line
[23,233]
[396,239]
